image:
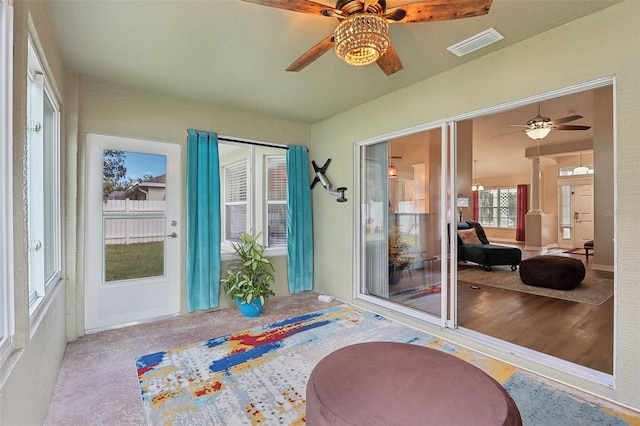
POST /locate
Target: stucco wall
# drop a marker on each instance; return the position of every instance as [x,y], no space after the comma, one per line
[28,377]
[122,111]
[600,45]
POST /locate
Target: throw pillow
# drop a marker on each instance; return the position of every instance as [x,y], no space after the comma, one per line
[469,236]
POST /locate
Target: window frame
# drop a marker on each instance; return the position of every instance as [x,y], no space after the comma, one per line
[7,326]
[257,205]
[45,223]
[281,160]
[497,208]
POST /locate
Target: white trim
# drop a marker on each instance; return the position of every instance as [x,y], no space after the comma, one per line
[555,363]
[448,292]
[7,326]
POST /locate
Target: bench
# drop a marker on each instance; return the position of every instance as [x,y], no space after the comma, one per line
[588,246]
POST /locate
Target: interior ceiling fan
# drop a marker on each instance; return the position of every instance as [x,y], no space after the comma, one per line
[540,126]
[362,35]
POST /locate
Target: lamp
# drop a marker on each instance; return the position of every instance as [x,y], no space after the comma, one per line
[581,170]
[392,172]
[476,186]
[462,202]
[362,38]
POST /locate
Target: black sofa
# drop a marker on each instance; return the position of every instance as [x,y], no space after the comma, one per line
[486,254]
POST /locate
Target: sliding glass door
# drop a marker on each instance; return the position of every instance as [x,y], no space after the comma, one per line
[413,189]
[400,226]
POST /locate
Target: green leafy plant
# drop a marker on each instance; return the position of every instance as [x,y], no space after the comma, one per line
[251,275]
[397,247]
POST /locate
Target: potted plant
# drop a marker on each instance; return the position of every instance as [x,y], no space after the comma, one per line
[249,279]
[399,260]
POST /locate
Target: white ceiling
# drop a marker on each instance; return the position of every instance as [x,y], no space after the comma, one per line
[234,53]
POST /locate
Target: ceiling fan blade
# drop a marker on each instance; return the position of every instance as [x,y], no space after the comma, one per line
[303,6]
[312,54]
[517,125]
[570,127]
[505,134]
[395,15]
[566,119]
[390,62]
[441,10]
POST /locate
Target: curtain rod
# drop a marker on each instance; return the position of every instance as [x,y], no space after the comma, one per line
[251,142]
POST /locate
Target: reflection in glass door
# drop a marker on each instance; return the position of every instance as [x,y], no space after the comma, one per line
[400,222]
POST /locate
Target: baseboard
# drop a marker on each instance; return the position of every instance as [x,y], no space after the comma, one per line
[606,268]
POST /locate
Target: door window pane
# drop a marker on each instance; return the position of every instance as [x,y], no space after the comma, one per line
[134,215]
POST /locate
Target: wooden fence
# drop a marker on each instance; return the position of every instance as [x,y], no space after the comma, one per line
[134,221]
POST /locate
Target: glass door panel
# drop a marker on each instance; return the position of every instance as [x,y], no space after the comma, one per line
[401,242]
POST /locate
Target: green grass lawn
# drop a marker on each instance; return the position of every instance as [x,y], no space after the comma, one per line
[129,261]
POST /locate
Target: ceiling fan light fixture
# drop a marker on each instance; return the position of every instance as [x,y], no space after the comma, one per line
[538,131]
[362,38]
[539,127]
[392,172]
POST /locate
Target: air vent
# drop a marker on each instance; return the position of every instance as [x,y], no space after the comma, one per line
[475,42]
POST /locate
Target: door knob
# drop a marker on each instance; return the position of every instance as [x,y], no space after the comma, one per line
[172,235]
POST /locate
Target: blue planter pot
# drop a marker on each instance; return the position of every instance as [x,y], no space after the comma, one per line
[250,310]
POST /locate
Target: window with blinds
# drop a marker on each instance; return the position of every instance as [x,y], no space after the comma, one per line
[276,202]
[498,207]
[235,203]
[254,198]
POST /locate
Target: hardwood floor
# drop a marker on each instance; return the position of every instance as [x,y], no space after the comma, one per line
[577,332]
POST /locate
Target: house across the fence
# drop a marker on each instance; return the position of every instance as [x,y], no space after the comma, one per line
[150,189]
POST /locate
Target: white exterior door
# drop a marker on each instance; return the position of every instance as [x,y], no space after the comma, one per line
[575,212]
[583,212]
[132,228]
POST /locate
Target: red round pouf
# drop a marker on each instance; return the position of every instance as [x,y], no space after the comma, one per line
[386,383]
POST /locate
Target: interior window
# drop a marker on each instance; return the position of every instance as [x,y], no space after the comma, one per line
[497,207]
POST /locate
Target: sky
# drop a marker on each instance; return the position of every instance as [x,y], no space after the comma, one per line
[139,164]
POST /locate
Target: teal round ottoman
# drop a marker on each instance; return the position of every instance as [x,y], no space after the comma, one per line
[387,384]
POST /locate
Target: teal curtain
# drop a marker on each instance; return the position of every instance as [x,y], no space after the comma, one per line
[203,221]
[299,221]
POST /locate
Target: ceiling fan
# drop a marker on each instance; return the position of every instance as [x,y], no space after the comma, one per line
[362,36]
[540,126]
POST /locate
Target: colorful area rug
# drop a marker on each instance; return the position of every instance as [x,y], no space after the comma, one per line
[259,376]
[593,290]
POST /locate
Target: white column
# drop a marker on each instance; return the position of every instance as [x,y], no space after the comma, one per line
[535,186]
